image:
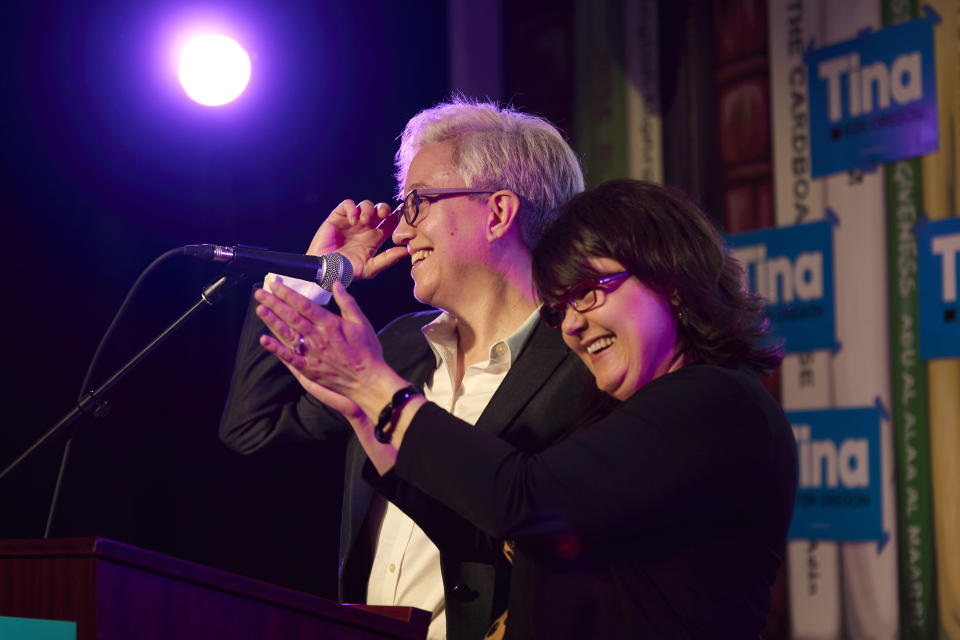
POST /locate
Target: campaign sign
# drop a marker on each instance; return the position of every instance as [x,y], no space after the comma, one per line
[838,494]
[873,99]
[792,269]
[938,259]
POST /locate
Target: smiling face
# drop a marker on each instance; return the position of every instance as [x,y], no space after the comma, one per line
[446,244]
[628,340]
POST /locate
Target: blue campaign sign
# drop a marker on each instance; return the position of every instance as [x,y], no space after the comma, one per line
[839,494]
[792,268]
[873,99]
[938,246]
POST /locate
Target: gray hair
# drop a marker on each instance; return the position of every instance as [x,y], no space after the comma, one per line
[500,148]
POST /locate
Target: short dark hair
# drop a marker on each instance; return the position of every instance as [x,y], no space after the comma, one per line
[665,240]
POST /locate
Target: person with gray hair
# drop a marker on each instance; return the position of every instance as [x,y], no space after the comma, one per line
[477,185]
[503,149]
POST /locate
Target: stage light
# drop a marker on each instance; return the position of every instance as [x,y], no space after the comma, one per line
[213,69]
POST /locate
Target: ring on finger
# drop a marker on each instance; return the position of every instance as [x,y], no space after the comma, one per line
[301,347]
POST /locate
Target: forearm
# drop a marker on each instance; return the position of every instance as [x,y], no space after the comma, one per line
[591,484]
[456,465]
[372,400]
[653,463]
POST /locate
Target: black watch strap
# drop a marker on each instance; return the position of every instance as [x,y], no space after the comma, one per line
[396,403]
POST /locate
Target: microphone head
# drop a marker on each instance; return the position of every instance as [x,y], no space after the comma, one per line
[336,267]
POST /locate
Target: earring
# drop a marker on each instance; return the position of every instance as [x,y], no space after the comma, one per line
[675,304]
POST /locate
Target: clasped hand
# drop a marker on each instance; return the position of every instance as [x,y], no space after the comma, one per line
[340,361]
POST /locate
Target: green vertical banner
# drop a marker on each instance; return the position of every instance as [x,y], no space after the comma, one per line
[601,89]
[903,183]
[910,419]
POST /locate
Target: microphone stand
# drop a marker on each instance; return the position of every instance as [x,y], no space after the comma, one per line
[92,400]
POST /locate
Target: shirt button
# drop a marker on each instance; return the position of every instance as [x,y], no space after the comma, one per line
[499,349]
[463,593]
[393,567]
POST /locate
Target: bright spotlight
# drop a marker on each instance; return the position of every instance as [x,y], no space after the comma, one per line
[214,69]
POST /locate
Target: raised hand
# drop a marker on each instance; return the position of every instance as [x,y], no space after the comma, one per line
[357,231]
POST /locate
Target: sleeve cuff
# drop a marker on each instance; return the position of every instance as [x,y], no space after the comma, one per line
[307,289]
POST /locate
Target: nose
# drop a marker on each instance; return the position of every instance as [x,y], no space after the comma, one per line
[573,322]
[403,233]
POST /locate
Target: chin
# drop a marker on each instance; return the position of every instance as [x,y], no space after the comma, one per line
[422,293]
[622,394]
[608,387]
[619,389]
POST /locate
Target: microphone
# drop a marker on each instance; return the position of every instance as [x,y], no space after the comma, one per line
[324,270]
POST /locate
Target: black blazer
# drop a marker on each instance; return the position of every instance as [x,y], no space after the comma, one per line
[667,518]
[546,395]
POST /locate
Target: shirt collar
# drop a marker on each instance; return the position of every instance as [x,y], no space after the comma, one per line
[441,335]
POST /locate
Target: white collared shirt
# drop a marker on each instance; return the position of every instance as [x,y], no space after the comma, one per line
[406,564]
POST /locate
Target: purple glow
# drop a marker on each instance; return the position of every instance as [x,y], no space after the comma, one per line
[213,69]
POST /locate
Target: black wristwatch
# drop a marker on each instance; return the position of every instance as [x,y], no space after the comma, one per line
[396,403]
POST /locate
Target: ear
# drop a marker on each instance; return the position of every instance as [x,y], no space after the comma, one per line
[502,215]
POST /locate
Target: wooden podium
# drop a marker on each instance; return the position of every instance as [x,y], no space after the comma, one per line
[117,592]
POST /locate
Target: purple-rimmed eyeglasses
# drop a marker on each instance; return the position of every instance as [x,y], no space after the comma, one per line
[410,207]
[582,297]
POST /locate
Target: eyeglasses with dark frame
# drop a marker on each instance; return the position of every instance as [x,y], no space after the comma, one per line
[410,207]
[582,297]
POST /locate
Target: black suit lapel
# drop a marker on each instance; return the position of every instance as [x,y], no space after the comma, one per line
[419,371]
[407,352]
[540,357]
[406,349]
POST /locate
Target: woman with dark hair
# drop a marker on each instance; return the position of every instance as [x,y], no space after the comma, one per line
[665,519]
[663,239]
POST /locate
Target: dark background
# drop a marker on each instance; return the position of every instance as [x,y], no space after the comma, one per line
[106,165]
